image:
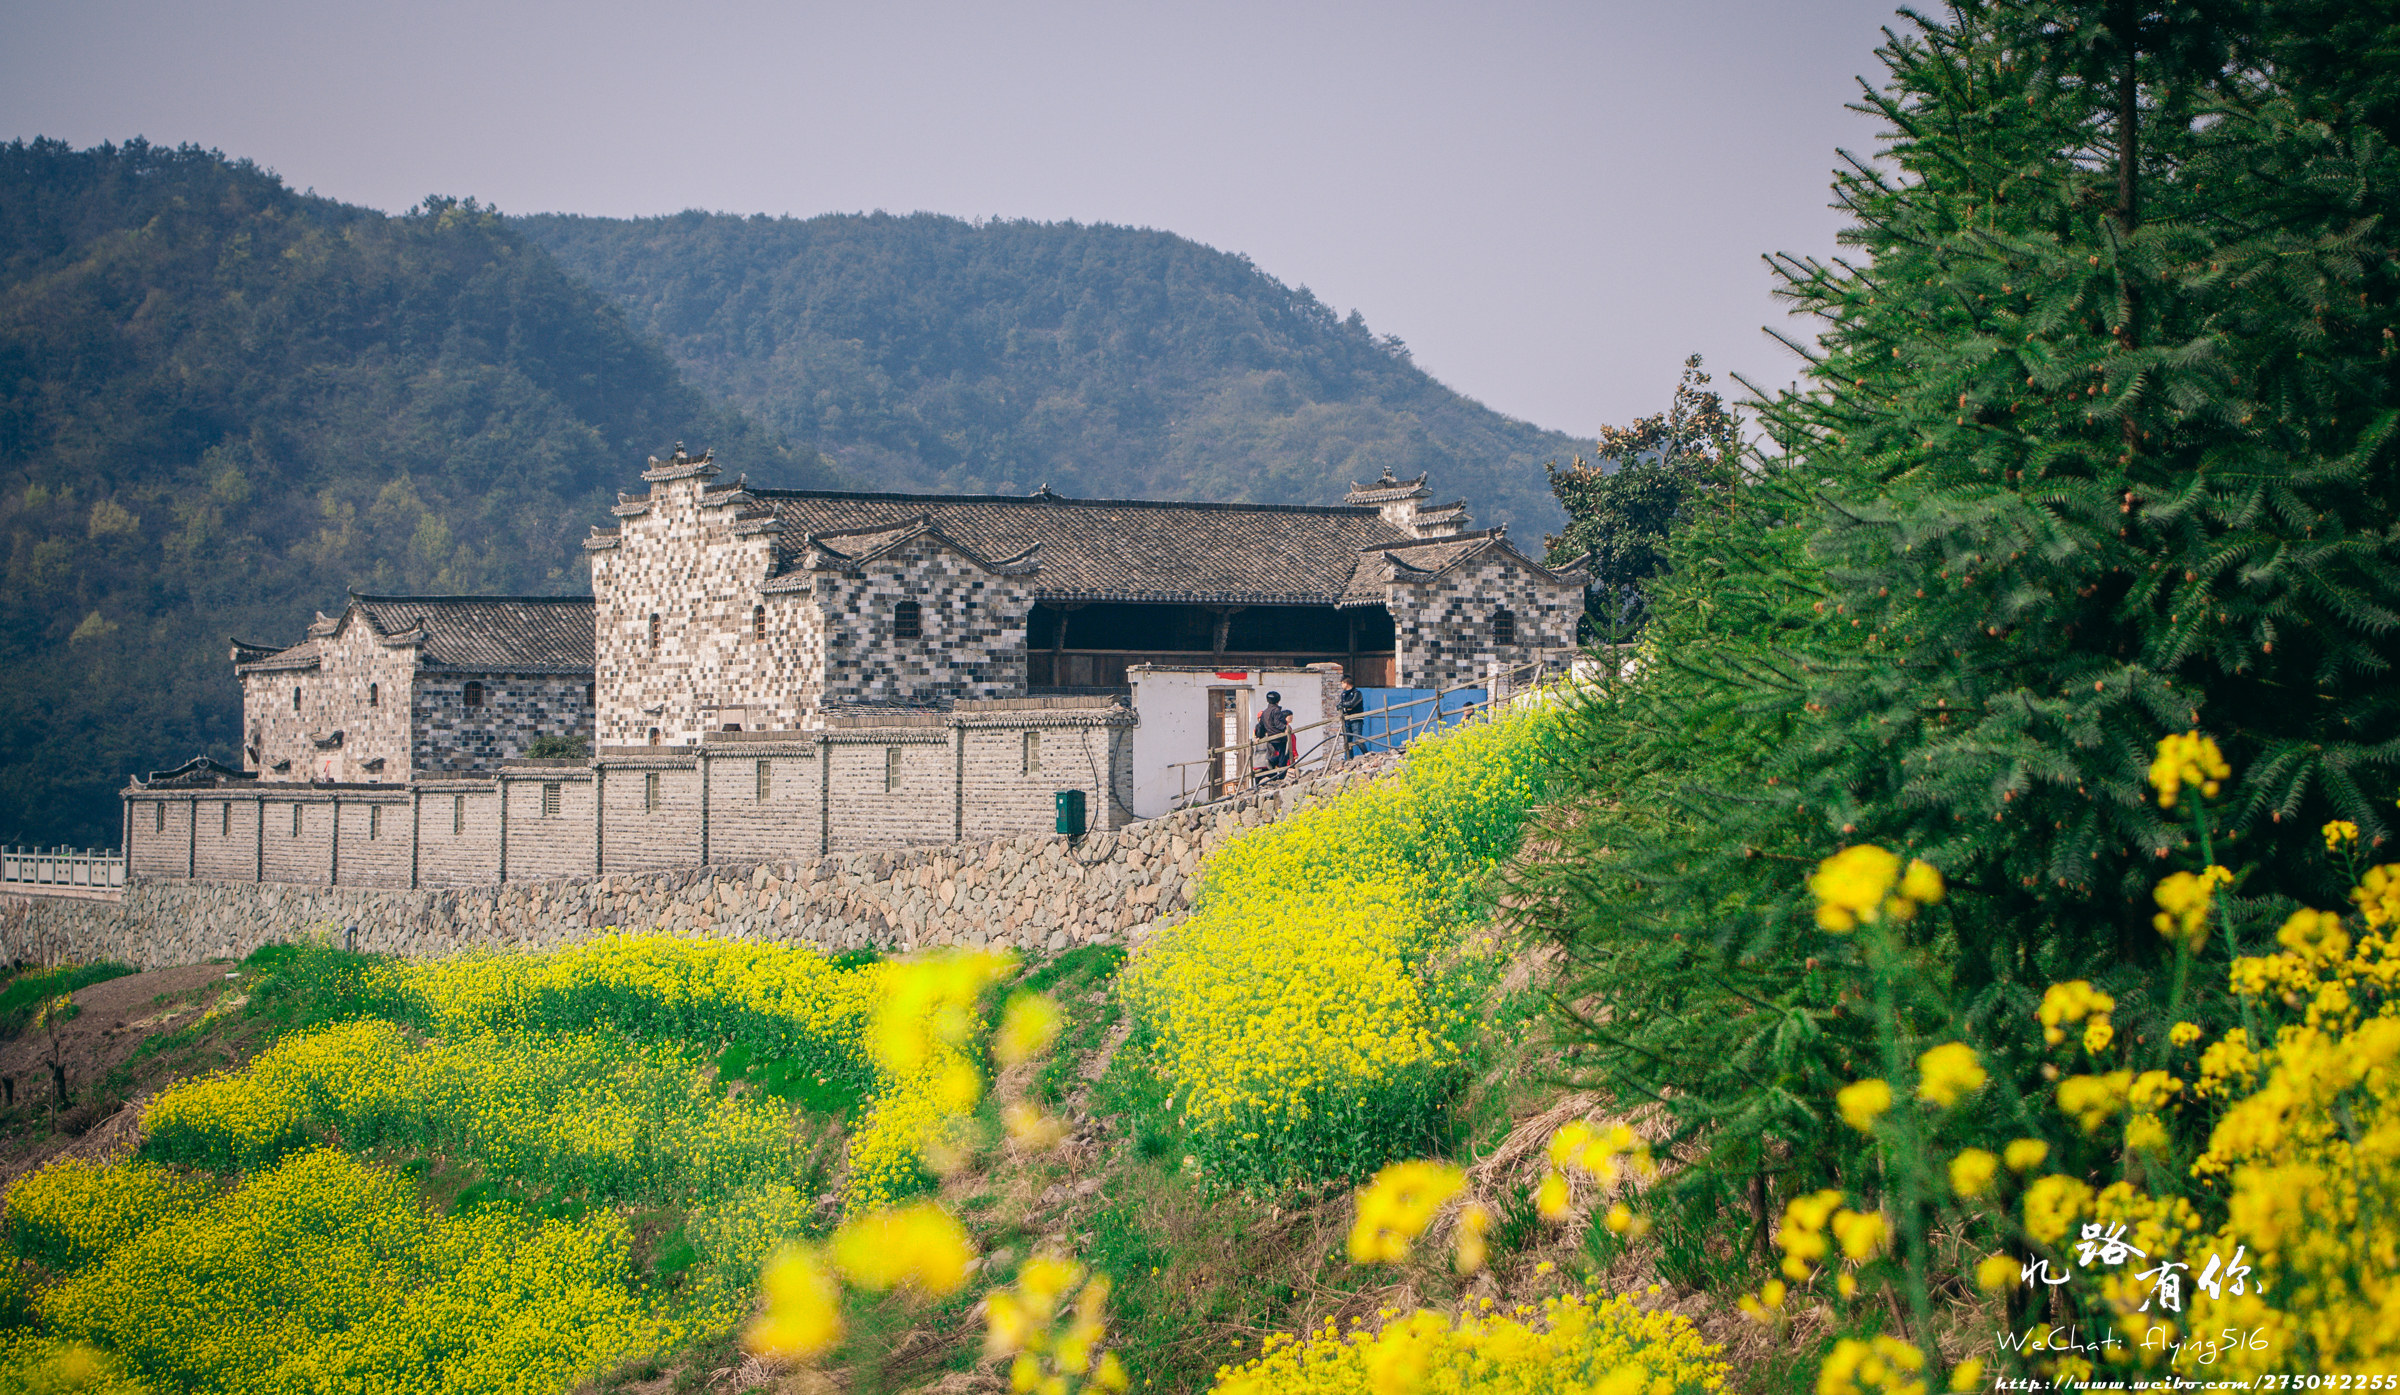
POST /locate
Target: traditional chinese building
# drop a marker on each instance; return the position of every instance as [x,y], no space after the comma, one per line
[397,688]
[722,607]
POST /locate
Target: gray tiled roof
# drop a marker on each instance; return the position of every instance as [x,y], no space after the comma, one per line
[1117,549]
[520,634]
[1423,560]
[477,634]
[264,658]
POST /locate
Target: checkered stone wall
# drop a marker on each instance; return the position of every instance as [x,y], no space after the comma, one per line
[454,739]
[690,562]
[353,666]
[1443,627]
[972,628]
[732,650]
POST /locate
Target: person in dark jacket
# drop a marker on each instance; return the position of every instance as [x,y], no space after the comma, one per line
[1274,726]
[1354,722]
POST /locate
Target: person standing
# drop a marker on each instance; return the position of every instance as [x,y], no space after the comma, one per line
[1353,705]
[1274,726]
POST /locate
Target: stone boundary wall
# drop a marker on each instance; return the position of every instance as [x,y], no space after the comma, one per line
[985,769]
[1024,891]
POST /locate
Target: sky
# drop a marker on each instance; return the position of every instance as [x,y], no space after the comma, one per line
[1553,204]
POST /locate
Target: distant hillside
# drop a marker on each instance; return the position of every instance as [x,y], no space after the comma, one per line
[221,401]
[927,353]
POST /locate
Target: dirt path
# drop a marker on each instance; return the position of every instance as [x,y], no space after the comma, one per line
[131,1037]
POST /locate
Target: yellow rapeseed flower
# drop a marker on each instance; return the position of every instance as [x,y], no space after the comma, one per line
[802,1318]
[2188,759]
[1027,1028]
[1862,1102]
[1395,1208]
[1948,1073]
[2184,900]
[1972,1171]
[921,1246]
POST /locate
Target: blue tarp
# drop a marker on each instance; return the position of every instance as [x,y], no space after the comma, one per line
[1383,729]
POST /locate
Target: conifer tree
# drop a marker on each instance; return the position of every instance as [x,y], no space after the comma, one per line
[2097,446]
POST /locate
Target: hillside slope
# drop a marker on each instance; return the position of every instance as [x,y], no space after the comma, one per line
[221,401]
[923,352]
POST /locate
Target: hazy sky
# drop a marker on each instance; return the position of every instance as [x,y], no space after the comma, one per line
[1552,203]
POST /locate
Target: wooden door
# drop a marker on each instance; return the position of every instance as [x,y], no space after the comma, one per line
[1228,768]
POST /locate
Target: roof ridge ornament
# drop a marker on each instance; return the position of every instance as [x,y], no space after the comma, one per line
[682,465]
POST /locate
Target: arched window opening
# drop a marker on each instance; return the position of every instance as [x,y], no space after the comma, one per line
[653,736]
[908,621]
[654,629]
[295,699]
[758,623]
[374,695]
[474,694]
[1504,627]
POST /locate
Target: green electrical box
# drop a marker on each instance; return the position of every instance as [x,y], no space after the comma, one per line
[1070,813]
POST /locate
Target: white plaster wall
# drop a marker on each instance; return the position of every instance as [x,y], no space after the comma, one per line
[1173,704]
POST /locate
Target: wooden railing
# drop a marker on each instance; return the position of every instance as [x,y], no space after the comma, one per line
[84,871]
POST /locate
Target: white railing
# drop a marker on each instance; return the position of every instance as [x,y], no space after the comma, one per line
[63,869]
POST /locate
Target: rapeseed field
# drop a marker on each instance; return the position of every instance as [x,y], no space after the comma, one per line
[515,1172]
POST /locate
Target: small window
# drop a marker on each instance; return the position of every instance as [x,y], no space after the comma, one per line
[891,769]
[591,694]
[374,695]
[908,621]
[653,736]
[295,821]
[474,695]
[758,623]
[650,792]
[1031,759]
[374,821]
[225,819]
[1504,627]
[550,800]
[766,779]
[158,813]
[654,629]
[295,699]
[458,814]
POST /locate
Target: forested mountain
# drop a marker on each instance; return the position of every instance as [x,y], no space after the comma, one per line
[222,401]
[924,352]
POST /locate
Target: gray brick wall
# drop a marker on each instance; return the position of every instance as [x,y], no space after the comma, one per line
[890,788]
[543,845]
[374,839]
[639,836]
[308,855]
[227,848]
[743,826]
[458,833]
[451,834]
